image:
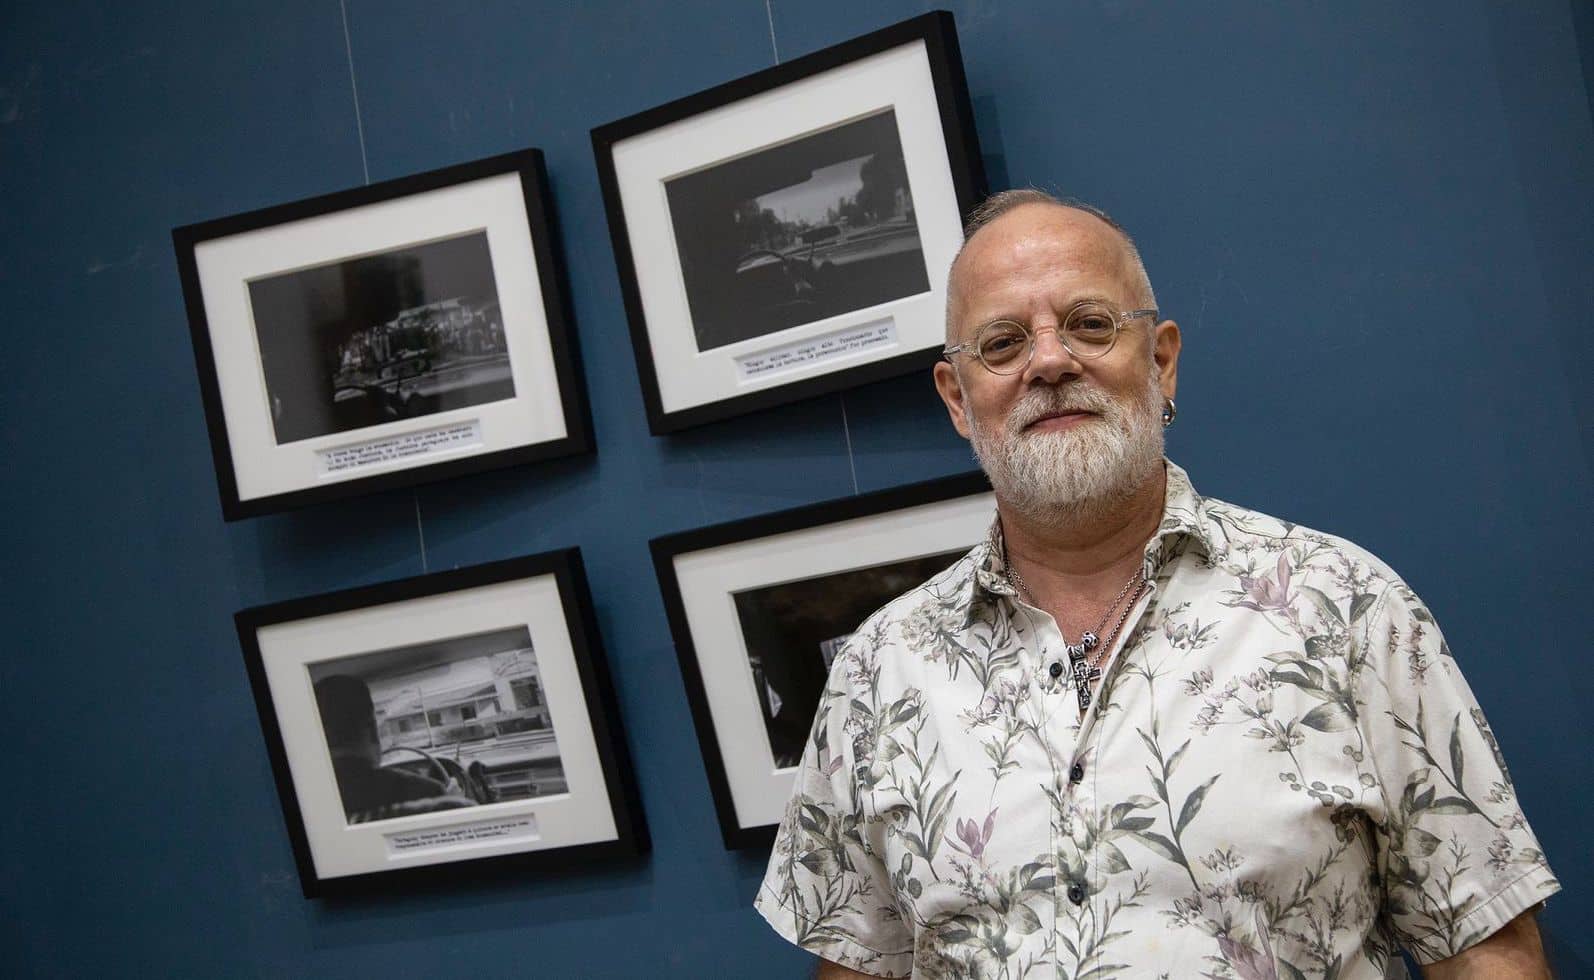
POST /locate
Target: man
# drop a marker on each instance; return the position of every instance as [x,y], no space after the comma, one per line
[370,791]
[1139,732]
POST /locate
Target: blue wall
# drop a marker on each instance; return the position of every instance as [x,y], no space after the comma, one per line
[1374,221]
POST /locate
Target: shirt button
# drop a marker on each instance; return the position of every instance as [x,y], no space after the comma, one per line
[1076,774]
[1057,668]
[1076,894]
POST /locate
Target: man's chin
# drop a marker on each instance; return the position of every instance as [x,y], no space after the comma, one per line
[1052,440]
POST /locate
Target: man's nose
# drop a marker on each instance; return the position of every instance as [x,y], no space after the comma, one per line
[1050,360]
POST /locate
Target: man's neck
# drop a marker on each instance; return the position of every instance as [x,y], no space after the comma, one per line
[1087,553]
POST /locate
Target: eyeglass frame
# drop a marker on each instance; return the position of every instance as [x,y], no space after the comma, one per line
[1119,321]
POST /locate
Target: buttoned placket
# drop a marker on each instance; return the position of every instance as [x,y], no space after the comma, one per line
[1067,736]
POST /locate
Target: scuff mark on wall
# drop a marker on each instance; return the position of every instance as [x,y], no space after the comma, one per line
[21,98]
[98,266]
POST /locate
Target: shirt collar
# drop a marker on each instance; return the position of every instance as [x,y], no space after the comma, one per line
[1184,516]
[1184,524]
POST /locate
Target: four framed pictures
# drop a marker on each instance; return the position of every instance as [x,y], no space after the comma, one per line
[758,609]
[788,233]
[780,236]
[384,336]
[425,727]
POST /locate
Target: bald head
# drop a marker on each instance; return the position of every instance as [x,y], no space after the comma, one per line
[1009,225]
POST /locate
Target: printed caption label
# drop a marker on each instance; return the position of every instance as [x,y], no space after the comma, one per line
[508,829]
[449,438]
[816,350]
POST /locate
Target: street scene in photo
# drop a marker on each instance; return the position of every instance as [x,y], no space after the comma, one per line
[794,630]
[813,228]
[381,338]
[438,726]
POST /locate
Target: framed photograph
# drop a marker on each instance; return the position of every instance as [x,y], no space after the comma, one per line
[443,726]
[788,234]
[384,336]
[759,608]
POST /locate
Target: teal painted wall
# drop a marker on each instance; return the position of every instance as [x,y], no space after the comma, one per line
[1374,222]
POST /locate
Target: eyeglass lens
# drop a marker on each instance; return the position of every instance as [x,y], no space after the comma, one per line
[1089,331]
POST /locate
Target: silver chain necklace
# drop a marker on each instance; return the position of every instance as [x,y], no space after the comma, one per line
[1084,671]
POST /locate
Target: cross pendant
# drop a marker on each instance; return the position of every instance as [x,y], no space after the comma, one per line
[1087,642]
[1083,676]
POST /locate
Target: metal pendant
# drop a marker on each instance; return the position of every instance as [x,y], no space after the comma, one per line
[1087,642]
[1084,675]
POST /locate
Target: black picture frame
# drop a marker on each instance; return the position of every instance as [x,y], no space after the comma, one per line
[863,551]
[455,384]
[704,350]
[426,620]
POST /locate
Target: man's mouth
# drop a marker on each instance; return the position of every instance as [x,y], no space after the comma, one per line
[1059,419]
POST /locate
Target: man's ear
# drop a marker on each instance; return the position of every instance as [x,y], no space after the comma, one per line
[951,392]
[1165,350]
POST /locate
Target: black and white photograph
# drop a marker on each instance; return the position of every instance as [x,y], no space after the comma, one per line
[787,234]
[384,336]
[443,727]
[794,630]
[810,229]
[760,608]
[438,726]
[405,333]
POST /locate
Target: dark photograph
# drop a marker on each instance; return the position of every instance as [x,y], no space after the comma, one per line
[380,338]
[809,229]
[794,630]
[438,726]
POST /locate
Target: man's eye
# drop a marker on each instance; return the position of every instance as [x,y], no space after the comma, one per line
[1091,330]
[1002,344]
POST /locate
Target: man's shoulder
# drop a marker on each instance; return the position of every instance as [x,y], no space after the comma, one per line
[1314,569]
[1243,538]
[945,596]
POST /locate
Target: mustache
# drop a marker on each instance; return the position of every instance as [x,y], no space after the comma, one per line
[1039,402]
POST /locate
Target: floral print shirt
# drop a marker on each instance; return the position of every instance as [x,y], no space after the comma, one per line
[1283,775]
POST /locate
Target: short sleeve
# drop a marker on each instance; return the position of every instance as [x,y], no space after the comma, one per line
[1456,857]
[825,889]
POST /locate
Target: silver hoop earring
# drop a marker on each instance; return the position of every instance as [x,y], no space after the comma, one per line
[1169,412]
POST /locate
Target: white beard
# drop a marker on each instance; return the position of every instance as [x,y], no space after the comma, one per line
[1055,478]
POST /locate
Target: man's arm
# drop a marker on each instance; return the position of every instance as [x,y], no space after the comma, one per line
[835,971]
[1513,953]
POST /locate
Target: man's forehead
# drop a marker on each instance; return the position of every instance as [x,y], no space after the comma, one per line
[1040,235]
[1036,241]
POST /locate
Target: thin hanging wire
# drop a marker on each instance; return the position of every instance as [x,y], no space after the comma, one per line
[846,430]
[769,10]
[420,530]
[365,169]
[359,125]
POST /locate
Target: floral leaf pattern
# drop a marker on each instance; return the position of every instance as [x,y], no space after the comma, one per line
[1283,775]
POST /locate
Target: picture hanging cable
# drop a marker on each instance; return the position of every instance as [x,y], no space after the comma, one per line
[846,431]
[365,169]
[420,529]
[359,126]
[769,10]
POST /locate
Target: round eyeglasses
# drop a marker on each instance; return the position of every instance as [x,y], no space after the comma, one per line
[1088,331]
